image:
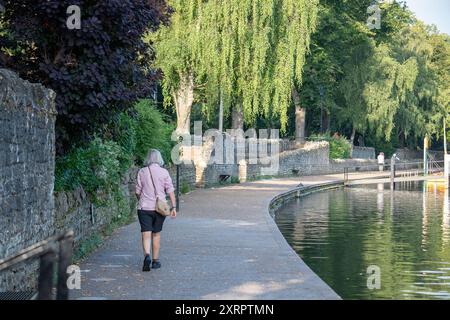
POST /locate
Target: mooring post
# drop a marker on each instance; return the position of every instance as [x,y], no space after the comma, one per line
[178,188]
[446,169]
[425,156]
[393,171]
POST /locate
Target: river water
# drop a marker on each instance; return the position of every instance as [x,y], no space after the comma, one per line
[371,243]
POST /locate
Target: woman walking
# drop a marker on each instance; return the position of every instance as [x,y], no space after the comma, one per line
[153,183]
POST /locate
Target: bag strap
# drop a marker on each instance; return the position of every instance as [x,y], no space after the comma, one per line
[151,178]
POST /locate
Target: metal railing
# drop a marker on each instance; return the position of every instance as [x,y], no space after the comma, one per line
[399,169]
[52,252]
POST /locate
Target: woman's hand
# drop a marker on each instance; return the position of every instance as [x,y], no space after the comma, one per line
[173,210]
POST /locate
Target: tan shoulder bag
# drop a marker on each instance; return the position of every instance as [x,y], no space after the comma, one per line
[162,207]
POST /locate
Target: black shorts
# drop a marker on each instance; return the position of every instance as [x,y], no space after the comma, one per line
[151,221]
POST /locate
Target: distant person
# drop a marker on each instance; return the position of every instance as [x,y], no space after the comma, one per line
[381,162]
[153,182]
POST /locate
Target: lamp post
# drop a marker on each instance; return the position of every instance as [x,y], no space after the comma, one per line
[321,93]
[177,194]
[446,158]
[445,134]
[425,156]
[221,112]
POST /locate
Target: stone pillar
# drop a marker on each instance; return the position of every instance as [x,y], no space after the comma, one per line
[200,168]
[242,171]
[300,119]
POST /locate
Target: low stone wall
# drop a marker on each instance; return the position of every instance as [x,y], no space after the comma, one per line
[312,159]
[304,161]
[406,154]
[363,153]
[187,174]
[27,139]
[299,192]
[338,166]
[74,210]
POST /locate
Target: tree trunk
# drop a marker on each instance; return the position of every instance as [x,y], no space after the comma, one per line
[300,118]
[352,141]
[184,98]
[352,137]
[325,121]
[237,117]
[401,139]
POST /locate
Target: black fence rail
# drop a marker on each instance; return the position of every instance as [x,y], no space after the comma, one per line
[53,252]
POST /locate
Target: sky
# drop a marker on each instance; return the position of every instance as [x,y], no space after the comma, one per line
[432,12]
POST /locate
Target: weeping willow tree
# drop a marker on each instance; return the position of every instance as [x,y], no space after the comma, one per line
[376,90]
[243,54]
[395,88]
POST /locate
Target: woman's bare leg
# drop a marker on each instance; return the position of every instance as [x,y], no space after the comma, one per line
[156,240]
[146,239]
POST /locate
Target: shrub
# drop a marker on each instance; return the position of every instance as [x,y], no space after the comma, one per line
[95,167]
[125,136]
[340,147]
[100,164]
[185,188]
[152,131]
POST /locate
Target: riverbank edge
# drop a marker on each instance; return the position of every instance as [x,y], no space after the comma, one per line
[298,192]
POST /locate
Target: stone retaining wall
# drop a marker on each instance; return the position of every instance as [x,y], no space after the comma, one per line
[27,161]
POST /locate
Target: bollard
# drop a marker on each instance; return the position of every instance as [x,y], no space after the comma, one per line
[393,172]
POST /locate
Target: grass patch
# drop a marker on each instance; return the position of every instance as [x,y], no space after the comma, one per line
[235,180]
[263,177]
[184,188]
[86,247]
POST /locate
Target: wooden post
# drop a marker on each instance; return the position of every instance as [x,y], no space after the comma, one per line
[178,188]
[425,156]
[446,170]
[393,172]
[46,269]
[65,259]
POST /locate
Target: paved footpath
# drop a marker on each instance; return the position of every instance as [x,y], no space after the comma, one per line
[223,245]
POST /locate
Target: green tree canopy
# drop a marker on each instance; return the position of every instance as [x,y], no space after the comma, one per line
[386,83]
[248,52]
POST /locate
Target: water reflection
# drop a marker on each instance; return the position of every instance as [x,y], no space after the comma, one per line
[405,232]
[446,219]
[380,197]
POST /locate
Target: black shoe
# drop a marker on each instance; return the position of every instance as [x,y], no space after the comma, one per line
[147,263]
[156,264]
